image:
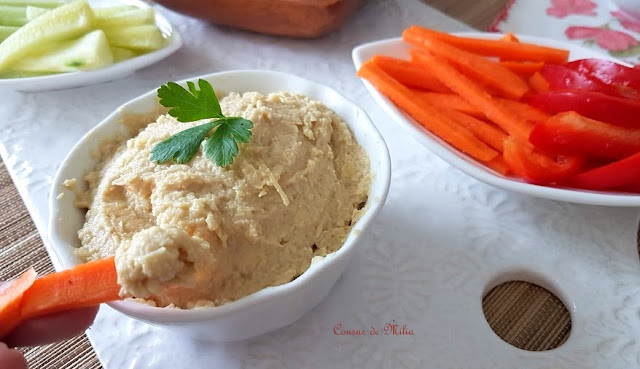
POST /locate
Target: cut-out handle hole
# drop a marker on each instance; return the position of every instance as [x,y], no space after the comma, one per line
[527,316]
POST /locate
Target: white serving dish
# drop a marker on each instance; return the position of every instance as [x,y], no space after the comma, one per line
[110,73]
[397,48]
[265,310]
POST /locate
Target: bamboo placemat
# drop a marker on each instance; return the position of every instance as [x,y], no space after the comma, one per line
[524,315]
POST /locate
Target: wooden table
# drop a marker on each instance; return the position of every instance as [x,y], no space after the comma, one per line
[523,314]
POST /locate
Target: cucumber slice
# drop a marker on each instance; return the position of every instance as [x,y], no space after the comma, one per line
[138,38]
[90,51]
[125,18]
[65,22]
[120,54]
[34,12]
[38,3]
[5,31]
[13,15]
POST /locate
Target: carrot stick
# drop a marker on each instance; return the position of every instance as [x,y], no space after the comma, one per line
[479,68]
[524,111]
[499,165]
[538,83]
[523,68]
[486,132]
[409,74]
[476,96]
[510,37]
[426,115]
[11,301]
[448,101]
[84,285]
[516,51]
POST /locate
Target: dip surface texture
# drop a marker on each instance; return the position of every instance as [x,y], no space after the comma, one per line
[191,235]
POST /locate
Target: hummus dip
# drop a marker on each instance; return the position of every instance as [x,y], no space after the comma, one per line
[191,235]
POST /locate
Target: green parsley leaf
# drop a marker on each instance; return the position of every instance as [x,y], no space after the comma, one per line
[222,146]
[182,146]
[190,105]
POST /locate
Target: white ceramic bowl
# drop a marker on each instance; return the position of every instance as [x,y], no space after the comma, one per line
[110,73]
[399,49]
[272,307]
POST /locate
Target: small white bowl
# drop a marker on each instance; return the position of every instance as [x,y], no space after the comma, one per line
[265,310]
[106,74]
[397,48]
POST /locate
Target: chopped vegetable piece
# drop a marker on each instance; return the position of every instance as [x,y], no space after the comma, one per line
[15,16]
[137,38]
[509,37]
[538,83]
[448,101]
[38,3]
[619,111]
[536,167]
[522,68]
[409,74]
[499,165]
[485,131]
[429,117]
[11,301]
[524,111]
[485,71]
[34,12]
[570,133]
[624,79]
[561,78]
[90,51]
[120,54]
[66,22]
[476,96]
[6,31]
[623,174]
[123,17]
[84,285]
[515,51]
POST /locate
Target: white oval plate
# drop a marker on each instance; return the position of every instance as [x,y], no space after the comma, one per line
[110,73]
[397,48]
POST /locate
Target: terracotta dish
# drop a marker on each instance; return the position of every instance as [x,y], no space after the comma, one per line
[296,18]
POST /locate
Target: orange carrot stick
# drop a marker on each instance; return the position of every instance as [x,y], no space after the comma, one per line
[479,68]
[426,115]
[523,68]
[476,96]
[524,111]
[510,37]
[516,51]
[538,83]
[448,101]
[486,132]
[409,74]
[84,285]
[499,165]
[11,301]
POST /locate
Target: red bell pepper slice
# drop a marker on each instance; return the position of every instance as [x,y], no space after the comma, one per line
[610,109]
[620,174]
[624,79]
[561,78]
[570,133]
[539,168]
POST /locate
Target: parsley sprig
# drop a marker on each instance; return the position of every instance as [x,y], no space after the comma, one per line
[191,105]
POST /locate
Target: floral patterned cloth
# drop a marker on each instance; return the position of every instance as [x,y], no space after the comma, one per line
[595,24]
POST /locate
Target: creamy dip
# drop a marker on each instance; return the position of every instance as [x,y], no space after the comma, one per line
[189,235]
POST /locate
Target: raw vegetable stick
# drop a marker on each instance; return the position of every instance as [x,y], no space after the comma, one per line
[486,132]
[11,299]
[14,16]
[476,96]
[516,51]
[428,116]
[523,68]
[509,37]
[481,69]
[409,74]
[85,285]
[499,165]
[524,111]
[5,31]
[39,3]
[538,83]
[621,173]
[448,101]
